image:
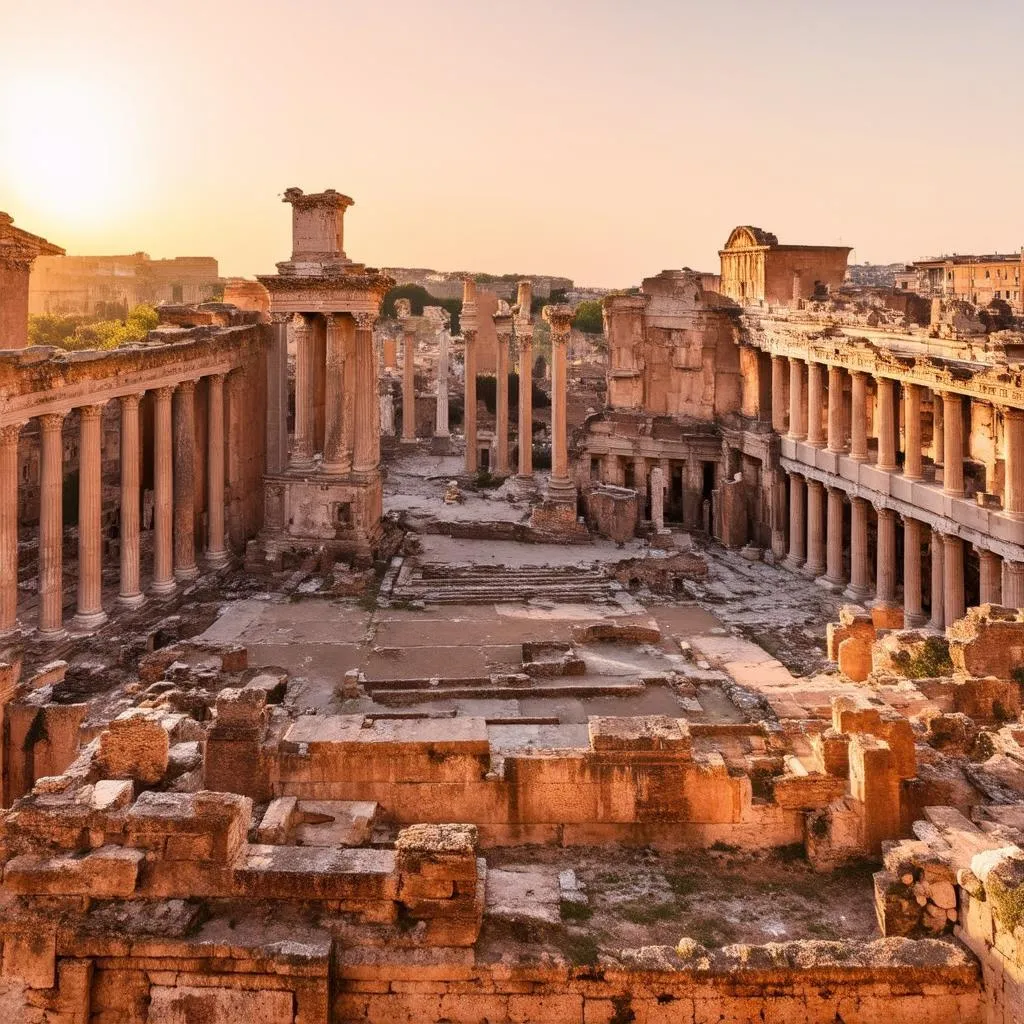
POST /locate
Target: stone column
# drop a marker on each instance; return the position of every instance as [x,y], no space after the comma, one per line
[913,462]
[836,434]
[130,592]
[913,614]
[51,525]
[658,499]
[640,485]
[859,589]
[938,429]
[990,567]
[885,399]
[885,565]
[277,394]
[525,333]
[815,403]
[387,408]
[560,487]
[163,495]
[797,405]
[390,353]
[834,575]
[503,328]
[953,448]
[469,402]
[339,368]
[817,558]
[366,447]
[8,531]
[779,411]
[216,552]
[441,415]
[304,441]
[89,610]
[797,523]
[953,578]
[1013,428]
[938,618]
[185,567]
[859,416]
[408,383]
[1013,584]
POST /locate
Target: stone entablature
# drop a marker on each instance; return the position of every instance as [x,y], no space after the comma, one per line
[18,251]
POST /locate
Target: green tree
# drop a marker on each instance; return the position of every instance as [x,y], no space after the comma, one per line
[588,317]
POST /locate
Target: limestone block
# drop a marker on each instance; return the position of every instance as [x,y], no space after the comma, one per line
[277,821]
[300,872]
[885,617]
[31,958]
[242,707]
[111,794]
[831,752]
[134,746]
[640,733]
[854,658]
[853,622]
[988,699]
[182,1005]
[110,871]
[988,641]
[897,911]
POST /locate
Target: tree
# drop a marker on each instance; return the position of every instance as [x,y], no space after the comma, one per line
[588,318]
[76,333]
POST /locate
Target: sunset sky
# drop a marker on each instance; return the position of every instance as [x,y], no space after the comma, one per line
[602,140]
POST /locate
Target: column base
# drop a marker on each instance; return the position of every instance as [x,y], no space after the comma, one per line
[562,491]
[859,458]
[837,451]
[11,631]
[300,465]
[914,620]
[813,571]
[953,494]
[833,586]
[797,437]
[163,588]
[186,573]
[131,600]
[217,559]
[409,440]
[59,633]
[335,468]
[793,564]
[88,620]
[858,594]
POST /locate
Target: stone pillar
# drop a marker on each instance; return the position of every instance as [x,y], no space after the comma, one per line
[366,447]
[836,433]
[953,449]
[913,462]
[469,402]
[163,500]
[859,416]
[817,558]
[938,619]
[560,487]
[640,485]
[277,394]
[8,531]
[815,403]
[339,370]
[524,330]
[408,383]
[990,567]
[938,429]
[859,589]
[885,399]
[305,392]
[658,499]
[387,408]
[390,353]
[797,405]
[89,610]
[185,567]
[503,328]
[51,525]
[216,552]
[1013,498]
[780,419]
[913,614]
[1013,584]
[130,592]
[441,415]
[953,578]
[885,565]
[797,523]
[834,575]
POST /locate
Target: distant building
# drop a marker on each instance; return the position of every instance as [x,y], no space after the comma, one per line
[976,279]
[874,275]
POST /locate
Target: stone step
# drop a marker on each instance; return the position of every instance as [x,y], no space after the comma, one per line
[398,698]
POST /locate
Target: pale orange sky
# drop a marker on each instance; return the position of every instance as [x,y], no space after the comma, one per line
[601,140]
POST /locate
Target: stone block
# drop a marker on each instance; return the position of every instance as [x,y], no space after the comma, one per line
[107,872]
[277,821]
[134,746]
[854,658]
[183,1005]
[31,958]
[642,733]
[988,641]
[887,617]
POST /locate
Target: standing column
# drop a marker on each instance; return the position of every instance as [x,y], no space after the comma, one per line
[885,400]
[797,523]
[503,328]
[441,415]
[1013,428]
[953,448]
[815,403]
[1013,584]
[797,405]
[885,554]
[859,416]
[469,402]
[953,581]
[658,499]
[130,593]
[560,487]
[89,611]
[860,587]
[913,614]
[834,575]
[408,382]
[525,403]
[640,484]
[277,394]
[216,553]
[8,530]
[337,441]
[836,434]
[163,499]
[51,525]
[390,353]
[913,468]
[817,558]
[990,577]
[779,411]
[938,619]
[938,429]
[366,447]
[301,328]
[185,567]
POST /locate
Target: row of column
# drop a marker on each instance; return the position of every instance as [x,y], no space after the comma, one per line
[174,556]
[810,421]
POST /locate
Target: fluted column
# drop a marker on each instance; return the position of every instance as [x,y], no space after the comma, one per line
[779,410]
[797,523]
[1013,425]
[1013,584]
[525,401]
[817,559]
[913,461]
[885,400]
[913,614]
[216,552]
[503,328]
[408,383]
[797,403]
[366,449]
[953,578]
[560,487]
[990,577]
[885,564]
[51,524]
[815,403]
[89,610]
[938,429]
[469,411]
[938,583]
[304,441]
[835,577]
[339,369]
[953,448]
[836,433]
[185,567]
[277,394]
[163,493]
[8,530]
[860,580]
[441,414]
[859,416]
[130,593]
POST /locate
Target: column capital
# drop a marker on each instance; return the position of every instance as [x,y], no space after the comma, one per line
[132,400]
[468,335]
[1011,412]
[217,378]
[335,320]
[165,393]
[281,318]
[51,420]
[10,432]
[365,321]
[91,412]
[186,387]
